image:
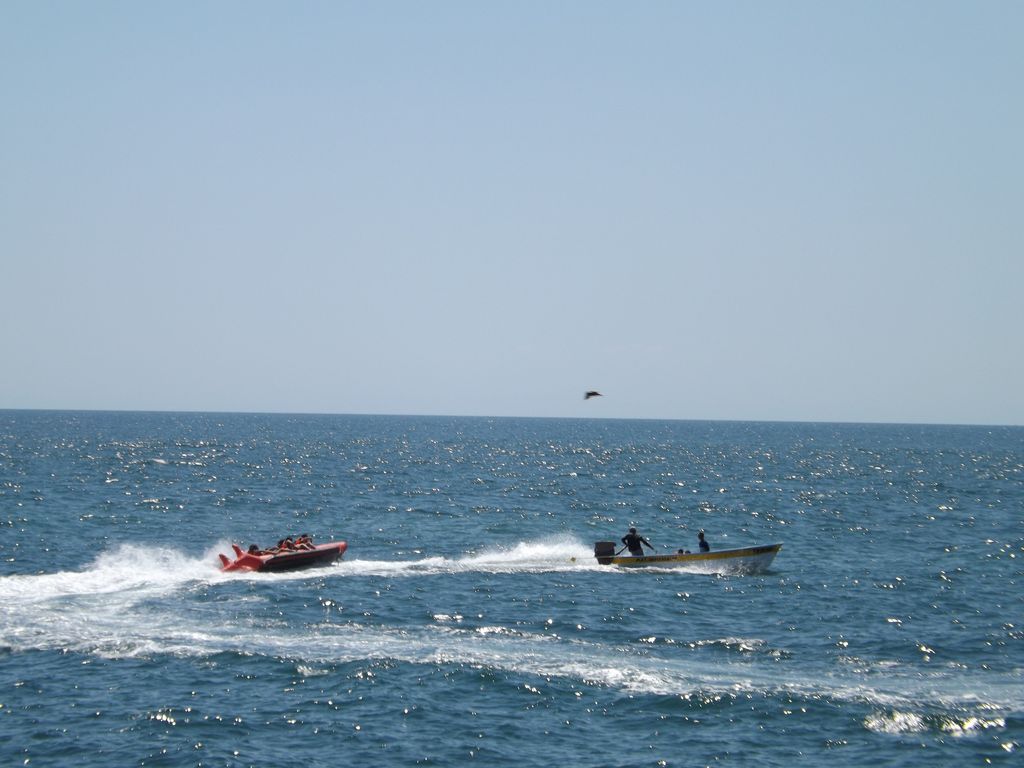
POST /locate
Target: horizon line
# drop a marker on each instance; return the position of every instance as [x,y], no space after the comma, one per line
[156,411]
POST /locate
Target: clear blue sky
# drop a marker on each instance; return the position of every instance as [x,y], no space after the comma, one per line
[738,210]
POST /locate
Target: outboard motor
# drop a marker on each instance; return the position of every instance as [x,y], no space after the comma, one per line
[604,551]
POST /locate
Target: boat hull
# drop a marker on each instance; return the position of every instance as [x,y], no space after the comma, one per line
[322,554]
[741,560]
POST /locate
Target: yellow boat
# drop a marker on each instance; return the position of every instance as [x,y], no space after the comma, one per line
[741,560]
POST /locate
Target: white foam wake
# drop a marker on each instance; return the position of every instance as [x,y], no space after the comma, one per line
[319,647]
[129,602]
[125,569]
[550,555]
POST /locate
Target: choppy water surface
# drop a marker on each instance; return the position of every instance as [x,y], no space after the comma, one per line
[469,621]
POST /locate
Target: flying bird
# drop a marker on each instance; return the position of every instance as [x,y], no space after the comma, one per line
[592,393]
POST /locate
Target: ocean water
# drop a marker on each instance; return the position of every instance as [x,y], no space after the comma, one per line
[469,623]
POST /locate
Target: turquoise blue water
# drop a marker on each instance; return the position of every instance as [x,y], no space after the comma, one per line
[469,623]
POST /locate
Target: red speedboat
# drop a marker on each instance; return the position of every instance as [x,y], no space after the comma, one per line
[285,560]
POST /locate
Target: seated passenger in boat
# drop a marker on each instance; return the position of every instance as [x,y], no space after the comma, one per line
[254,549]
[288,544]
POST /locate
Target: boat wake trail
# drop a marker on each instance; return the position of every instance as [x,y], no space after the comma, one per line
[550,555]
[99,608]
[134,602]
[324,648]
[126,569]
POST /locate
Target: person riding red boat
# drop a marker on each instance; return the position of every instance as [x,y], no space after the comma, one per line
[289,553]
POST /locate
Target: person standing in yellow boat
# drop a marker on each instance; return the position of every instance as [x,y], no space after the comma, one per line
[635,543]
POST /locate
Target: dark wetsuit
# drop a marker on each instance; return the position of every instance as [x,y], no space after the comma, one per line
[634,542]
[704,546]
